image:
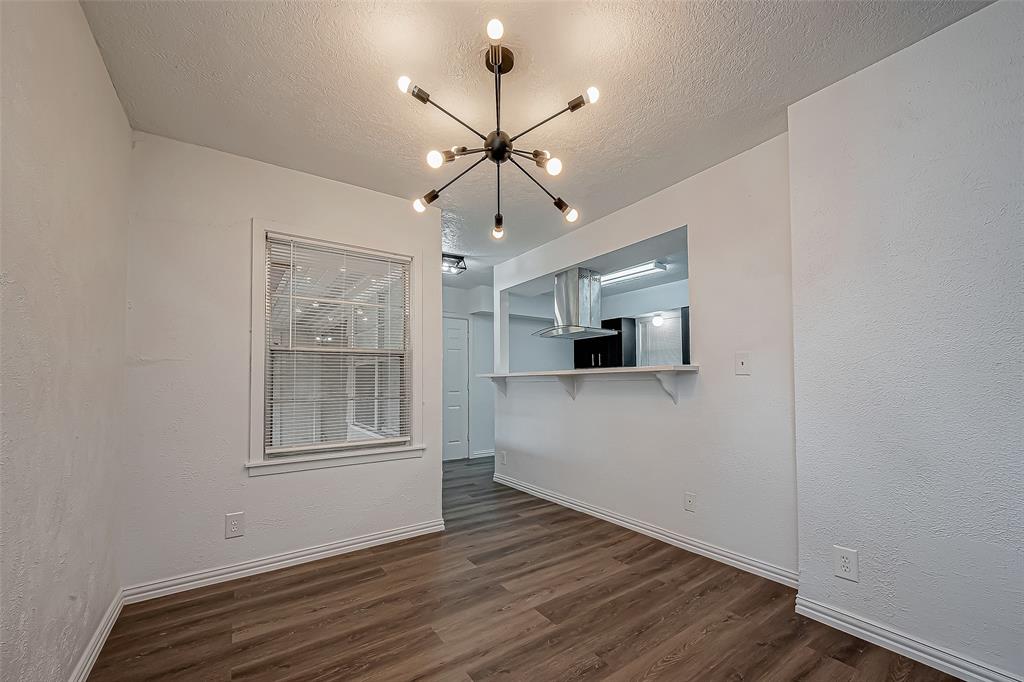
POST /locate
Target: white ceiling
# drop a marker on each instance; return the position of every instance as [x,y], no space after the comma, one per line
[311,86]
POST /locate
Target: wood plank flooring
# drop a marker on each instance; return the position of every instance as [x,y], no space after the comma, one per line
[515,588]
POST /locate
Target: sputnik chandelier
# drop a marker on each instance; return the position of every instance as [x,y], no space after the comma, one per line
[497,145]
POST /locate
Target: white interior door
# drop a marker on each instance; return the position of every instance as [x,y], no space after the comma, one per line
[456,388]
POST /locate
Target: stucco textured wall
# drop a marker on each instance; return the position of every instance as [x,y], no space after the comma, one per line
[188,364]
[66,146]
[623,444]
[907,192]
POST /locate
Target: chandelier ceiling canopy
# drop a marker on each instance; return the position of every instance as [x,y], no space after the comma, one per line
[497,145]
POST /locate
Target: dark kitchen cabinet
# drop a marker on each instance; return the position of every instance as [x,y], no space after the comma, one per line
[608,351]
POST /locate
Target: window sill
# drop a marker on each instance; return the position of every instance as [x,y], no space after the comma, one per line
[286,465]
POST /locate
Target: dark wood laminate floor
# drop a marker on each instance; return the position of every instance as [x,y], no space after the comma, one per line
[516,588]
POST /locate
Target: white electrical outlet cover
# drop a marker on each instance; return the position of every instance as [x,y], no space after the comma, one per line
[844,563]
[234,525]
[689,502]
[743,363]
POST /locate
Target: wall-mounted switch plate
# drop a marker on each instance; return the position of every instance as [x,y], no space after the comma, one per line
[743,363]
[234,525]
[844,563]
[504,457]
[690,502]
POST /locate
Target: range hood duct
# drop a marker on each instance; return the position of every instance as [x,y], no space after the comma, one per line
[577,307]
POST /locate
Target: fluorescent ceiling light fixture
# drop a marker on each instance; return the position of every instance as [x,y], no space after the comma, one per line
[452,264]
[649,268]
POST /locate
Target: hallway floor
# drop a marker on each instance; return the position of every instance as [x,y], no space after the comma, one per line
[515,588]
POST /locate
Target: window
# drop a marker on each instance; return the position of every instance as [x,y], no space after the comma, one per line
[336,356]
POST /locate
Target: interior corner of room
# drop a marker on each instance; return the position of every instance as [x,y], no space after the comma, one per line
[452,340]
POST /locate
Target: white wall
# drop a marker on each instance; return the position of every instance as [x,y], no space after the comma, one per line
[907,192]
[188,364]
[671,295]
[623,445]
[66,146]
[529,352]
[530,314]
[481,391]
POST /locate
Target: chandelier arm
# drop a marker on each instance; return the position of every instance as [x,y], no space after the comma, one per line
[498,166]
[467,152]
[534,127]
[497,99]
[452,181]
[525,155]
[457,119]
[535,181]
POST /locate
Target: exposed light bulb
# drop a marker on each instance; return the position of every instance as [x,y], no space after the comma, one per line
[553,166]
[498,232]
[419,206]
[495,29]
[435,159]
[572,215]
[403,83]
[657,320]
[592,94]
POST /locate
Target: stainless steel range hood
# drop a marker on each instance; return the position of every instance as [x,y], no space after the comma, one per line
[577,307]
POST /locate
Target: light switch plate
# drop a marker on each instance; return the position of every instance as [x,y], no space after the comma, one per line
[743,363]
[690,502]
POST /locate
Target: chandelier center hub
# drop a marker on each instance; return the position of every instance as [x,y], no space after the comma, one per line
[498,146]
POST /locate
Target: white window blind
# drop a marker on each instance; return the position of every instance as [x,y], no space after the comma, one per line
[337,372]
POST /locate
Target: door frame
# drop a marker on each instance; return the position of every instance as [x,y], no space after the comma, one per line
[469,381]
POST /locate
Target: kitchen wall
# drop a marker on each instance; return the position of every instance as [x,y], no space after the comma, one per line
[671,295]
[529,352]
[907,192]
[188,365]
[622,447]
[66,146]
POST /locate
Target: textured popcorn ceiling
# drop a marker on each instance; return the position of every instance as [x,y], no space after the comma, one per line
[311,86]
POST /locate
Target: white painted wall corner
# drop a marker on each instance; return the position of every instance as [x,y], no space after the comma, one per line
[182,583]
[734,559]
[876,633]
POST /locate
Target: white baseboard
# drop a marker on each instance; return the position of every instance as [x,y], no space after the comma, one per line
[876,633]
[160,588]
[98,639]
[741,561]
[482,453]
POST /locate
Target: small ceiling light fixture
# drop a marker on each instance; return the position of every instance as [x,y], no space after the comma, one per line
[497,145]
[642,270]
[658,320]
[452,264]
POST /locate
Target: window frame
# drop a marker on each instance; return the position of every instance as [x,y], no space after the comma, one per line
[258,463]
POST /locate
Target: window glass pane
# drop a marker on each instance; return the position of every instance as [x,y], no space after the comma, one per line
[337,364]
